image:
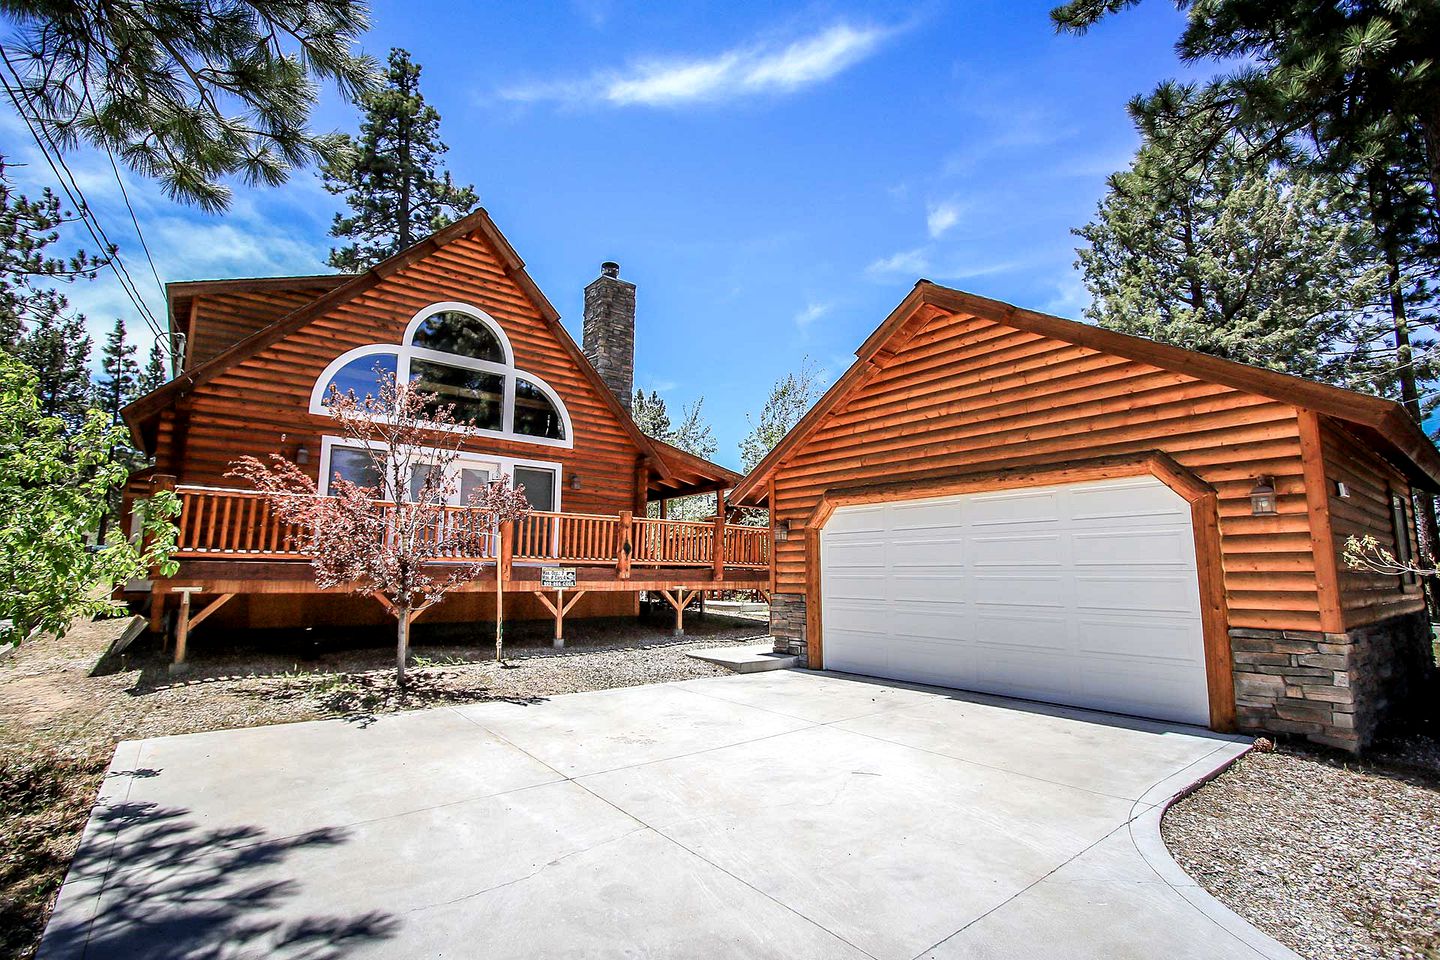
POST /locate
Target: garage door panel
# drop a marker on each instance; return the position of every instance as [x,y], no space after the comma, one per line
[1150,639]
[937,588]
[931,552]
[1131,505]
[1031,550]
[1083,594]
[991,509]
[857,520]
[1019,592]
[1135,547]
[1141,594]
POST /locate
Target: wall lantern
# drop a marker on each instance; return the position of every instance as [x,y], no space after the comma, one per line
[302,454]
[782,531]
[574,481]
[1262,497]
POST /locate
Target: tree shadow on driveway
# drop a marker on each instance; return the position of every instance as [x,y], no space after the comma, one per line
[170,889]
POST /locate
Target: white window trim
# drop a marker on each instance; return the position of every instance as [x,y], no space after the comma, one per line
[405,351]
[500,464]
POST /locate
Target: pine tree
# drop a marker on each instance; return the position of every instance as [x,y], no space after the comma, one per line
[119,374]
[650,415]
[1201,245]
[28,268]
[58,350]
[693,435]
[186,92]
[390,175]
[157,370]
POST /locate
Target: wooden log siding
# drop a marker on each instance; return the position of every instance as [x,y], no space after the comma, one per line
[218,321]
[268,395]
[964,394]
[1365,597]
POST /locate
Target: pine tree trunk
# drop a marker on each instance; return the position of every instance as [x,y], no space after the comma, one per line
[1410,397]
[402,645]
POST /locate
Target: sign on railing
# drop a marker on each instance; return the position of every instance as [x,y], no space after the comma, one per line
[557,578]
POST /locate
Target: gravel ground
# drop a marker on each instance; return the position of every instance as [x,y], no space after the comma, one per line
[1336,859]
[60,717]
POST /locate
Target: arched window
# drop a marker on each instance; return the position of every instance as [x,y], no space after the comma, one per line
[461,355]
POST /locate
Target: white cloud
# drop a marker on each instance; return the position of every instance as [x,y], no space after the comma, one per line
[811,313]
[755,69]
[912,262]
[941,217]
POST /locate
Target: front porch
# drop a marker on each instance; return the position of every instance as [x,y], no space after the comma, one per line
[230,545]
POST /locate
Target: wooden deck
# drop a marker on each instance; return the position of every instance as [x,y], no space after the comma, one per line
[231,544]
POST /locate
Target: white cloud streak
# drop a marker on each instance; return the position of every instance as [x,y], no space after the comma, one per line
[912,262]
[811,313]
[752,70]
[941,217]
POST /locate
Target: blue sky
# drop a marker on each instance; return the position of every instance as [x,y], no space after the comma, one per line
[773,179]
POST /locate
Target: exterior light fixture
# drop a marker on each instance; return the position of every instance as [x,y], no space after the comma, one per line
[574,481]
[1262,497]
[1342,490]
[782,531]
[302,454]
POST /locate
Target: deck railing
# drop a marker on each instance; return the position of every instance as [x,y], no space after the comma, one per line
[239,524]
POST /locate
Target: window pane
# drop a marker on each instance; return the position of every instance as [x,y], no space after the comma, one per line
[418,476]
[461,334]
[535,415]
[476,395]
[539,487]
[472,480]
[354,465]
[361,376]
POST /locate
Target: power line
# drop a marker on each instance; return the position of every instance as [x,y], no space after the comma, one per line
[72,190]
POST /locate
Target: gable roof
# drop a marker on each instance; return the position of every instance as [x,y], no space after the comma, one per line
[143,409]
[1383,422]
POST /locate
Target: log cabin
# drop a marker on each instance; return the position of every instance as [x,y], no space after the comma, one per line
[459,314]
[1000,500]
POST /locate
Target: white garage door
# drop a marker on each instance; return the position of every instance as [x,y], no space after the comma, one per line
[1082,594]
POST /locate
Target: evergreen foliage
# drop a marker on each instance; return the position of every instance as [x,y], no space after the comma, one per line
[390,175]
[693,435]
[188,92]
[157,371]
[1231,255]
[28,268]
[119,374]
[57,349]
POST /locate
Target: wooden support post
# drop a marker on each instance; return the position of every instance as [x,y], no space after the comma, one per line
[558,609]
[182,627]
[626,546]
[664,508]
[719,559]
[158,594]
[210,608]
[507,550]
[642,486]
[679,604]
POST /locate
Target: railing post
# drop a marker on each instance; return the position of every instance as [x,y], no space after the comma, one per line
[719,549]
[507,549]
[626,545]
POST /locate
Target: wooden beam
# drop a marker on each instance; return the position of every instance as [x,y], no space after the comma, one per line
[182,625]
[558,609]
[719,547]
[210,608]
[1322,537]
[626,546]
[679,605]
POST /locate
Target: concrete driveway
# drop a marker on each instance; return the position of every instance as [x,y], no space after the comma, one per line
[788,814]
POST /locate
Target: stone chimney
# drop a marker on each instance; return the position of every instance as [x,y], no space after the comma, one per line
[609,334]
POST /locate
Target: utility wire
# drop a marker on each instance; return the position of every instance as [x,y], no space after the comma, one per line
[72,190]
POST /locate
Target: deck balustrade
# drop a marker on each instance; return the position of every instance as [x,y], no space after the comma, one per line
[226,524]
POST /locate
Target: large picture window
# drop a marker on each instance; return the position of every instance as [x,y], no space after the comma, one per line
[469,473]
[461,355]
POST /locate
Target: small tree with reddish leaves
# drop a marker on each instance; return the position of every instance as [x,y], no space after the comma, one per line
[403,541]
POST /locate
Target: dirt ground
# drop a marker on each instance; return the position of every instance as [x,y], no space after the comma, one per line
[62,710]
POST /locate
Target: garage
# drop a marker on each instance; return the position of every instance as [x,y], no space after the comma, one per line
[1083,594]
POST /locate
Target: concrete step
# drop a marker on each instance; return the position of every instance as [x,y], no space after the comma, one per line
[752,658]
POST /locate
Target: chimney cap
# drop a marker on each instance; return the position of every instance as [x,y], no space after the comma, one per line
[610,269]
